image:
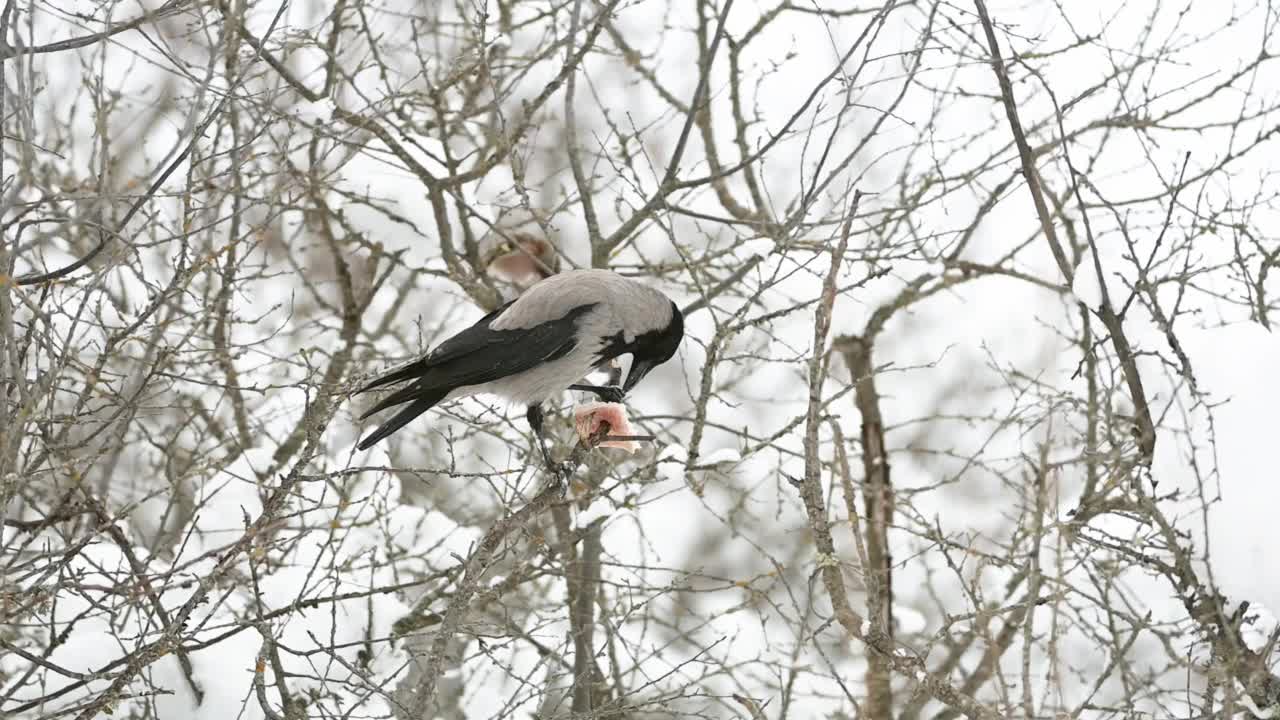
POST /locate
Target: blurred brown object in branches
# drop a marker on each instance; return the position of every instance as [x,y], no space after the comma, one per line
[523,260]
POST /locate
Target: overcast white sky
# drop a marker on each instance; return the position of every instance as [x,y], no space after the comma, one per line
[947,353]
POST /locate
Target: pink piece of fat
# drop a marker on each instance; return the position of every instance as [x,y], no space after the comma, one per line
[588,417]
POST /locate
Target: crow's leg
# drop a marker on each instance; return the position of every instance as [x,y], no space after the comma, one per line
[534,416]
[606,393]
[558,471]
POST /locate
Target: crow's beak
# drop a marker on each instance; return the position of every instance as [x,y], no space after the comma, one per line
[639,368]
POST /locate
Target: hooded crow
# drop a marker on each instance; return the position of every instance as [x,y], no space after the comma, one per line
[539,345]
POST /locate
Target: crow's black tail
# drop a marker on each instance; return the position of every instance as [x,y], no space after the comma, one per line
[412,370]
[422,401]
[412,391]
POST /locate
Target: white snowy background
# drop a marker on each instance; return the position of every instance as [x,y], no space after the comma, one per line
[725,538]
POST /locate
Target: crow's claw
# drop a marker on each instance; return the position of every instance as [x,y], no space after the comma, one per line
[560,473]
[606,393]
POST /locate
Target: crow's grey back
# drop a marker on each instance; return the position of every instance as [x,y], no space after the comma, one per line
[632,307]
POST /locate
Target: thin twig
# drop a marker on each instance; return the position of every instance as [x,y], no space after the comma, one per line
[1024,150]
[7,51]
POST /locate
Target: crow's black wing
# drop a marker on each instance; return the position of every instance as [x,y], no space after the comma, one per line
[480,354]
